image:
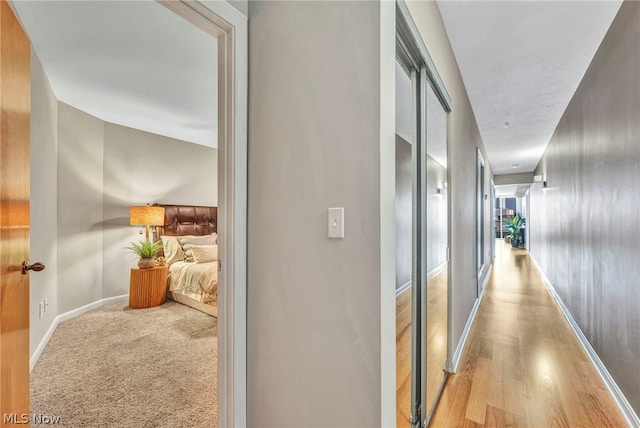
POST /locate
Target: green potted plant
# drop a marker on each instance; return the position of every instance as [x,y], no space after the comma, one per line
[515,226]
[147,251]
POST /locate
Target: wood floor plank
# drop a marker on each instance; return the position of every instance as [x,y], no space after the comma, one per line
[498,418]
[468,423]
[456,393]
[403,359]
[479,391]
[596,415]
[495,418]
[522,365]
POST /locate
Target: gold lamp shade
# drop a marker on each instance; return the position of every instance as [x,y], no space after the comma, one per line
[146,216]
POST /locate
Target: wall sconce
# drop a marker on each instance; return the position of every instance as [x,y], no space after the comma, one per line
[146,216]
[540,179]
[440,188]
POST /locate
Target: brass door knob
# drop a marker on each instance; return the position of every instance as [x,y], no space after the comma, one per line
[26,267]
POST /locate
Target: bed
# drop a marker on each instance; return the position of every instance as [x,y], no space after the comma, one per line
[189,238]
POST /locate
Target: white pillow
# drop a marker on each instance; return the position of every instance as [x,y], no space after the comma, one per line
[189,241]
[172,249]
[204,253]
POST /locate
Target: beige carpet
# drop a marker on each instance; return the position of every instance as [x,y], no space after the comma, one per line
[121,367]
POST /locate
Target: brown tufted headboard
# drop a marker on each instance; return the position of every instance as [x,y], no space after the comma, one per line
[187,220]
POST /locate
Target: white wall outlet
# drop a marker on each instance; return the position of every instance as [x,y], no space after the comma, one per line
[40,310]
[336,223]
[46,305]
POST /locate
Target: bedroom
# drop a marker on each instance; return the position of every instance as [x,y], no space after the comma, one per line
[89,169]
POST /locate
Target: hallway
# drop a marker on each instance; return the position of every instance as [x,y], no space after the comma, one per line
[522,364]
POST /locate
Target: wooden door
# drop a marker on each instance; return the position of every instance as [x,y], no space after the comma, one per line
[15,107]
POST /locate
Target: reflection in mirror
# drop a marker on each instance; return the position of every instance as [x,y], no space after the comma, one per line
[421,312]
[436,248]
[404,250]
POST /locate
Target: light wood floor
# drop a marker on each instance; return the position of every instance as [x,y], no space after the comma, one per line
[403,359]
[436,353]
[522,365]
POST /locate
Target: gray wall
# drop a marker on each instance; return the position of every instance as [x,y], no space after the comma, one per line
[463,138]
[404,227]
[314,142]
[584,227]
[44,195]
[436,214]
[80,185]
[104,169]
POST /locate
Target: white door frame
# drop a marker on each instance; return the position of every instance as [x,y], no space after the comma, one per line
[229,26]
[480,220]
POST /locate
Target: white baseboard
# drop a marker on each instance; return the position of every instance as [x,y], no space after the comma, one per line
[67,316]
[403,288]
[437,269]
[452,366]
[621,401]
[433,272]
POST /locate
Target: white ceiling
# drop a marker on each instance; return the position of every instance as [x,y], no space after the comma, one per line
[134,63]
[137,64]
[521,62]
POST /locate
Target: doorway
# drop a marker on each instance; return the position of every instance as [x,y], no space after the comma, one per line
[230,28]
[511,201]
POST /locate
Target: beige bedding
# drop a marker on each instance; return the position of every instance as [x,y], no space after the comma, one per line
[196,280]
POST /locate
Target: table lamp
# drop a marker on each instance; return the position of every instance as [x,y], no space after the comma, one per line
[146,216]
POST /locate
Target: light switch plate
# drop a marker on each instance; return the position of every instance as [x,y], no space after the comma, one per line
[336,223]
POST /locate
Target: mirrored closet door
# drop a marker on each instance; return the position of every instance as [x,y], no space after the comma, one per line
[422,228]
[436,282]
